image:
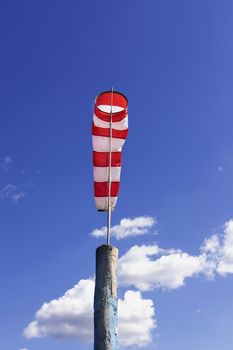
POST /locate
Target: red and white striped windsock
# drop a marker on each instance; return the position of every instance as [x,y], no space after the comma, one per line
[109,105]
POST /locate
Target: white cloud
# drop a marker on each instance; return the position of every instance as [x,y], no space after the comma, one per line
[11,192]
[72,316]
[211,245]
[145,267]
[136,319]
[67,316]
[225,265]
[218,250]
[140,267]
[5,162]
[127,228]
[23,349]
[149,267]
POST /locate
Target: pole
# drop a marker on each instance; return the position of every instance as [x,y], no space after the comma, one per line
[109,174]
[105,300]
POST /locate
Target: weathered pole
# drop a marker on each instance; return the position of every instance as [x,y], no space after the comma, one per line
[105,300]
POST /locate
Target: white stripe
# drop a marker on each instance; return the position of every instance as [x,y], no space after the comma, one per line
[101,144]
[102,202]
[101,174]
[121,125]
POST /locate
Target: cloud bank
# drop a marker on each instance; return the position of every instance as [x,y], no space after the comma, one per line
[145,267]
[71,316]
[150,267]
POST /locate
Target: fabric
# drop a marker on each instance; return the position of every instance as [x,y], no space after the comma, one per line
[104,103]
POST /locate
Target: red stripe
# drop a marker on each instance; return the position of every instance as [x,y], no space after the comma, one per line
[117,99]
[117,134]
[101,189]
[102,159]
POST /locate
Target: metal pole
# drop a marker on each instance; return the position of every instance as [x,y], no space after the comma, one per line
[109,174]
[105,301]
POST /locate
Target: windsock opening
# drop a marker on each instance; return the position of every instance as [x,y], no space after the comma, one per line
[111,101]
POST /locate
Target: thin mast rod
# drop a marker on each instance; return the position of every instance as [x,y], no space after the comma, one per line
[109,174]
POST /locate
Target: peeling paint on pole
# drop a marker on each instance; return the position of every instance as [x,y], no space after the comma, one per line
[105,301]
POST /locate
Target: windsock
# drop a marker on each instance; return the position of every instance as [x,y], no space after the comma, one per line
[110,121]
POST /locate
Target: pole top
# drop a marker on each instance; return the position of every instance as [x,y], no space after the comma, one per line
[106,247]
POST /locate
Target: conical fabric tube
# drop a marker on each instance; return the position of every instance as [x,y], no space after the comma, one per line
[110,122]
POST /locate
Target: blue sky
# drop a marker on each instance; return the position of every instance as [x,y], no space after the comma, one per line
[173,60]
